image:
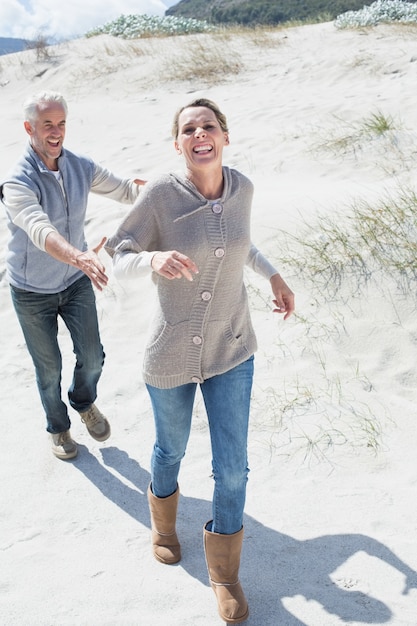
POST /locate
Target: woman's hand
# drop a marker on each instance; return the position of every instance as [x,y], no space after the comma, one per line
[173,264]
[284,297]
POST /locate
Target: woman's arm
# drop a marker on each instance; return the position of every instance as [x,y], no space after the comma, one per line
[170,264]
[283,296]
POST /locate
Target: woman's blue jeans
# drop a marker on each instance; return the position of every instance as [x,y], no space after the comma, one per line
[227,402]
[38,316]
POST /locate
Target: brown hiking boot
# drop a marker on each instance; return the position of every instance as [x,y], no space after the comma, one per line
[97,425]
[63,446]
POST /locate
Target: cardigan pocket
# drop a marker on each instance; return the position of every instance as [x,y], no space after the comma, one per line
[226,344]
[167,349]
[236,337]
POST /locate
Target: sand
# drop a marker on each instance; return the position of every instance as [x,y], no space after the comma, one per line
[330,520]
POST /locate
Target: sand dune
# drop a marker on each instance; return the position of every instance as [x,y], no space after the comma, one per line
[330,520]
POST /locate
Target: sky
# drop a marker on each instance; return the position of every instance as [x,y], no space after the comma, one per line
[27,19]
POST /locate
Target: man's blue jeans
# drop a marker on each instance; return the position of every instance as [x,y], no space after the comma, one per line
[227,402]
[38,316]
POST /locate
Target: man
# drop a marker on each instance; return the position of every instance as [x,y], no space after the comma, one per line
[50,269]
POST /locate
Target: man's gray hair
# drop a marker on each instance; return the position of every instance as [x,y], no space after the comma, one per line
[30,107]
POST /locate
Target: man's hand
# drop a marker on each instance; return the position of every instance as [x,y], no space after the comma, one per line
[90,264]
[88,261]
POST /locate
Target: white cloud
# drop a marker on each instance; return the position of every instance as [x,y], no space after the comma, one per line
[27,19]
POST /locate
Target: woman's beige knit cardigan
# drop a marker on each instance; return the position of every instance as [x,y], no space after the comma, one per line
[201,328]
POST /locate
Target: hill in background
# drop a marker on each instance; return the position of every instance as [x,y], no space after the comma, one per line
[9,45]
[264,11]
[229,12]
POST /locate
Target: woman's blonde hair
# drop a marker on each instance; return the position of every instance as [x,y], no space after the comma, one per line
[200,102]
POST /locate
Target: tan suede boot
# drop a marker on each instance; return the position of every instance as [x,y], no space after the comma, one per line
[166,547]
[223,561]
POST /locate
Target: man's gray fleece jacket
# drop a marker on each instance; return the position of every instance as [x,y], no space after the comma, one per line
[201,328]
[37,204]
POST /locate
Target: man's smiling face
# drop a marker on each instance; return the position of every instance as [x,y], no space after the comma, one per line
[47,132]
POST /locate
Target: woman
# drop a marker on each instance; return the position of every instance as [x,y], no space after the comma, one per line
[193,229]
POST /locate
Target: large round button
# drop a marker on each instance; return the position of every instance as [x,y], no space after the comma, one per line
[197,340]
[206,295]
[219,253]
[217,208]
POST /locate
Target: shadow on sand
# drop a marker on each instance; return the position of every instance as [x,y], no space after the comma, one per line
[274,565]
